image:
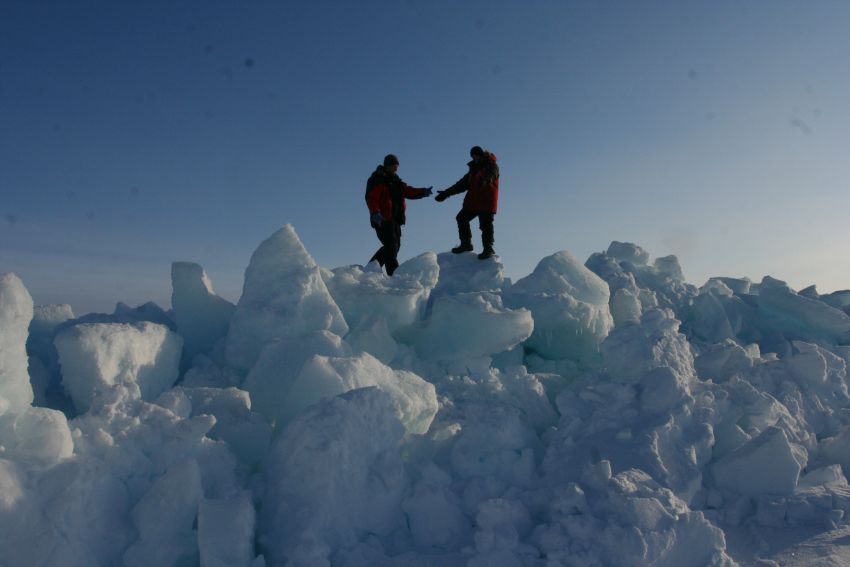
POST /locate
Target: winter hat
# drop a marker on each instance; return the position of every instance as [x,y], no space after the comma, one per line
[390,160]
[476,151]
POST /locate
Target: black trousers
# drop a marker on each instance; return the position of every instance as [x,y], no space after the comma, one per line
[389,233]
[485,223]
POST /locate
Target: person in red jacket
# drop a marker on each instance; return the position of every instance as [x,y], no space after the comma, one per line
[481,184]
[385,197]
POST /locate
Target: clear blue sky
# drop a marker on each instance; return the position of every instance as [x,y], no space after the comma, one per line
[133,134]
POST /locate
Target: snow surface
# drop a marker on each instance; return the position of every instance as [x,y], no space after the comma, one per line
[597,414]
[95,356]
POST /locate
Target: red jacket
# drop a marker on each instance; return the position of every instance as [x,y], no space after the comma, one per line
[481,185]
[386,193]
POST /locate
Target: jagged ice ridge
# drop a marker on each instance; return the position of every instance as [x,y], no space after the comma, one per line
[604,413]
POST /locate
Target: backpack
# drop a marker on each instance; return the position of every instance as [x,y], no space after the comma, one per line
[370,184]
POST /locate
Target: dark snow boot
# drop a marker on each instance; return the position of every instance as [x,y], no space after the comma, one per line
[464,247]
[488,253]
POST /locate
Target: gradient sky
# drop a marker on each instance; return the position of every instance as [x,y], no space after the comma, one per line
[134,134]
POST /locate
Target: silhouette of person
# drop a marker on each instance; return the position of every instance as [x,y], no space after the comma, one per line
[386,196]
[481,184]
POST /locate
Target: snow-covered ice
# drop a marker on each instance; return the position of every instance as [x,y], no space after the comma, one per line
[362,293]
[603,413]
[284,295]
[453,329]
[95,356]
[569,304]
[334,473]
[16,310]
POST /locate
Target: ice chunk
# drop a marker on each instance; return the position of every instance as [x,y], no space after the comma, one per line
[247,433]
[797,314]
[165,518]
[36,437]
[809,364]
[202,317]
[632,351]
[487,436]
[569,304]
[514,387]
[373,336]
[611,272]
[140,441]
[739,286]
[11,487]
[207,373]
[561,273]
[628,252]
[95,356]
[77,511]
[669,267]
[468,325]
[825,476]
[811,381]
[16,310]
[721,361]
[501,524]
[625,307]
[494,442]
[72,514]
[280,362]
[652,425]
[423,268]
[661,390]
[464,273]
[837,299]
[836,449]
[226,532]
[660,283]
[717,287]
[765,465]
[434,514]
[414,399]
[283,296]
[335,473]
[710,322]
[626,519]
[400,299]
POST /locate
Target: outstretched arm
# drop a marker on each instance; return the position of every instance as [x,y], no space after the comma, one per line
[459,187]
[415,192]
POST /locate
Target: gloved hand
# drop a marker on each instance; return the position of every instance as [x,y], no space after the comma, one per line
[441,196]
[429,191]
[376,219]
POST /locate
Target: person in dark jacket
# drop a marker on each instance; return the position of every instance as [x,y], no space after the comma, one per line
[481,184]
[385,197]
